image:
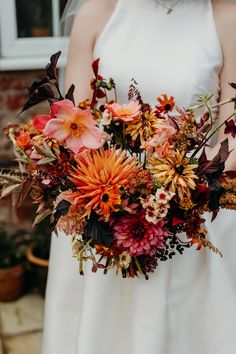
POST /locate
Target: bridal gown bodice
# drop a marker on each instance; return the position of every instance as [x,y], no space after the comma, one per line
[179,54]
[189,304]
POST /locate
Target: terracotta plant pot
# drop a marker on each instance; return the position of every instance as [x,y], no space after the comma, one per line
[11,283]
[40,270]
[41,32]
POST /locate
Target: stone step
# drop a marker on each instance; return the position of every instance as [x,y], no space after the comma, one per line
[24,344]
[22,316]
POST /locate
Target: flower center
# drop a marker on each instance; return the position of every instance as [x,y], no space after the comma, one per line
[105,198]
[167,107]
[124,112]
[179,169]
[73,127]
[138,231]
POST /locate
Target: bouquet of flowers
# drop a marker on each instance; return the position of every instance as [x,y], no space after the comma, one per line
[129,183]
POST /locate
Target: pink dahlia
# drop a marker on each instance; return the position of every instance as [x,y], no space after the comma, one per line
[137,236]
[73,126]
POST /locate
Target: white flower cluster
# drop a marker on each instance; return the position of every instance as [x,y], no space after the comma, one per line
[157,205]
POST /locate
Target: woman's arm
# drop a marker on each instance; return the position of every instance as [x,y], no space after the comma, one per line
[225,16]
[88,24]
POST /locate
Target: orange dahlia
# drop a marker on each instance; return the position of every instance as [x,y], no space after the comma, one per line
[176,173]
[99,177]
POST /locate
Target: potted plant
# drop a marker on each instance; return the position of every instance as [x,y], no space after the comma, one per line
[38,254]
[12,257]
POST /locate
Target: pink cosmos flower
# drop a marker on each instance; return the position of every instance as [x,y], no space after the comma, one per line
[137,236]
[74,127]
[125,112]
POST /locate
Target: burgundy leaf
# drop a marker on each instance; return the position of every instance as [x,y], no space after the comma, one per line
[233,84]
[45,88]
[70,94]
[51,68]
[203,120]
[95,67]
[100,93]
[134,93]
[217,164]
[230,128]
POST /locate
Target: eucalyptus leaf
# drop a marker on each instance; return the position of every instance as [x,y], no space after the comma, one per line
[40,217]
[44,152]
[45,161]
[8,190]
[10,178]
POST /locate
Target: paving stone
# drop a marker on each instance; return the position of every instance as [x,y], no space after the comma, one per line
[24,344]
[22,316]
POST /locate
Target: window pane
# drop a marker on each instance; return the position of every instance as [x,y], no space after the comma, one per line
[62,6]
[34,18]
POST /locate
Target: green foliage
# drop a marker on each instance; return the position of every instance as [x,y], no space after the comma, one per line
[12,247]
[41,239]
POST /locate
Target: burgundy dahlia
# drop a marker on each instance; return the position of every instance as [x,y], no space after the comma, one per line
[137,236]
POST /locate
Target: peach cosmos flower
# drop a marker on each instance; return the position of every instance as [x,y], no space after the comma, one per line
[125,112]
[74,127]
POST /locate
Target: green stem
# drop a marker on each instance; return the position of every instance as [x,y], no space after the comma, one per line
[138,265]
[214,106]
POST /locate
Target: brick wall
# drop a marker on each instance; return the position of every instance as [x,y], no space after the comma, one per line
[13,93]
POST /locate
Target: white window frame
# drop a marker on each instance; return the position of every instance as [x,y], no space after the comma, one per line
[27,53]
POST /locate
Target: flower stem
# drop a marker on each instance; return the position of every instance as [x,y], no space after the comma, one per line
[138,265]
[214,106]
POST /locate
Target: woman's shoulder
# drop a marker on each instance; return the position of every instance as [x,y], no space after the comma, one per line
[92,17]
[225,12]
[96,10]
[225,17]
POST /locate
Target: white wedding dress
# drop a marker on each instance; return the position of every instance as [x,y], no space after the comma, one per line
[189,305]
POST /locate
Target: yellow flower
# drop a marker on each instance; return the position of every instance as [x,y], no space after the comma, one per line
[175,173]
[143,126]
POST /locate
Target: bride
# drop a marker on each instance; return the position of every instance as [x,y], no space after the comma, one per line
[185,48]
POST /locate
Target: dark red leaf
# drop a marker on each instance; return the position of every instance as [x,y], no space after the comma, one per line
[70,94]
[232,84]
[100,93]
[45,88]
[203,120]
[230,128]
[51,68]
[95,67]
[217,164]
